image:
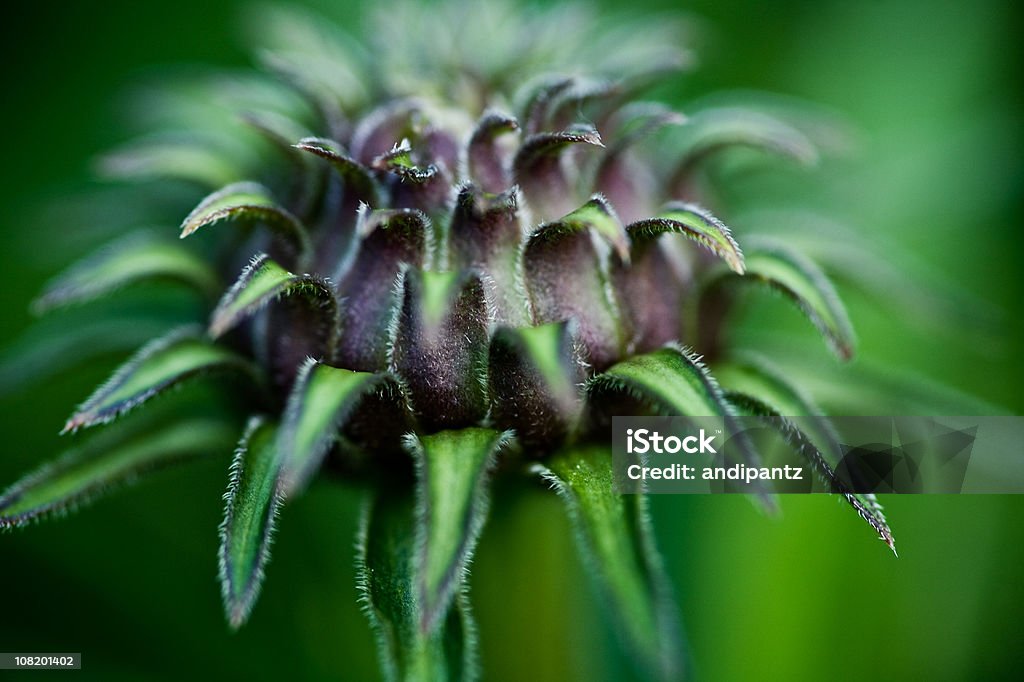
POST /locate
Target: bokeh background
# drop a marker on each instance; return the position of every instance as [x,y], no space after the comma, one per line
[932,90]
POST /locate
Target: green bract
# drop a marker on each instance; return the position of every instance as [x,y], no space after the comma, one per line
[437,263]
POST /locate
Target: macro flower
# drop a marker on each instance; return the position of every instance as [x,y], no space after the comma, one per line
[430,255]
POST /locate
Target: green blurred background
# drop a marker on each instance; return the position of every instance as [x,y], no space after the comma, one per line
[933,89]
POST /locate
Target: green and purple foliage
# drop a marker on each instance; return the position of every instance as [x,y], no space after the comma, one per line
[429,263]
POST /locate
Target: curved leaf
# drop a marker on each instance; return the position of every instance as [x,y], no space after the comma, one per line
[386,565]
[485,161]
[597,215]
[568,104]
[534,381]
[248,201]
[615,538]
[452,501]
[439,347]
[536,96]
[671,381]
[714,130]
[652,289]
[537,168]
[866,506]
[694,222]
[358,179]
[756,390]
[635,121]
[566,278]
[252,502]
[56,345]
[114,457]
[279,129]
[322,398]
[805,284]
[628,184]
[138,258]
[486,235]
[159,365]
[190,158]
[387,240]
[539,149]
[262,281]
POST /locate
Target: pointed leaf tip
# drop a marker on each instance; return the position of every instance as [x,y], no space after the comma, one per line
[538,169]
[757,389]
[388,567]
[614,536]
[357,177]
[248,201]
[695,223]
[135,259]
[164,362]
[321,401]
[116,456]
[261,282]
[252,502]
[814,448]
[801,281]
[452,499]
